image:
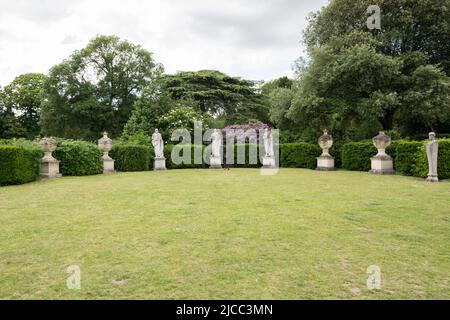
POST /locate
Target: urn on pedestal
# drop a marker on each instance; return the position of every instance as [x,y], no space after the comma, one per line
[49,165]
[105,145]
[325,162]
[382,163]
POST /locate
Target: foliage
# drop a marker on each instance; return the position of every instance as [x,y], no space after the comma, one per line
[131,157]
[95,88]
[406,156]
[299,155]
[234,99]
[78,158]
[19,164]
[23,96]
[356,155]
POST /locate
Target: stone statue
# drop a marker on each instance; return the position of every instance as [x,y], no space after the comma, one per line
[158,144]
[268,143]
[432,155]
[382,163]
[216,138]
[105,145]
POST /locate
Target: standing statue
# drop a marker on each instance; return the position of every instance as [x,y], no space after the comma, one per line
[216,138]
[432,155]
[158,144]
[268,143]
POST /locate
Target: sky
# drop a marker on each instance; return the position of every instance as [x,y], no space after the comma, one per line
[252,39]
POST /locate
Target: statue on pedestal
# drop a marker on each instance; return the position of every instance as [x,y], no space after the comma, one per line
[432,155]
[216,148]
[158,146]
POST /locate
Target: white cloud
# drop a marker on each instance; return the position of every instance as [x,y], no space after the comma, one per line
[254,39]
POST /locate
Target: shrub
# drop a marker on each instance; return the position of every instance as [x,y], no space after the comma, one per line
[356,155]
[169,163]
[299,155]
[131,157]
[19,165]
[406,156]
[78,158]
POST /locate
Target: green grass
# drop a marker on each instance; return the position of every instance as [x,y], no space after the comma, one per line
[205,234]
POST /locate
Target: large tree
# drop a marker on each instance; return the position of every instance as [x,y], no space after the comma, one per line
[22,98]
[233,99]
[360,80]
[95,88]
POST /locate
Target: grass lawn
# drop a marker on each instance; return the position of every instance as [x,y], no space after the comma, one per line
[205,234]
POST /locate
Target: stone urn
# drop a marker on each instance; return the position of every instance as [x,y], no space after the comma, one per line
[105,145]
[382,163]
[49,165]
[325,162]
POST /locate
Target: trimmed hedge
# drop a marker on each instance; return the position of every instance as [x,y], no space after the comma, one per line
[131,157]
[299,155]
[18,165]
[356,156]
[406,156]
[78,158]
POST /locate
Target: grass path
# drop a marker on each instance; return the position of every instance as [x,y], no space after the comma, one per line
[205,234]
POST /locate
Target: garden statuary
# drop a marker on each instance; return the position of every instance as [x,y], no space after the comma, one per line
[105,145]
[269,153]
[216,148]
[432,154]
[382,163]
[158,146]
[325,162]
[49,165]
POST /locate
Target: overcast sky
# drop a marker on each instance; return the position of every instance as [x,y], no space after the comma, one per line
[253,39]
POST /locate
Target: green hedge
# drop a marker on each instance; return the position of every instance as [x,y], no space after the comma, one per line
[356,155]
[406,156]
[78,158]
[19,165]
[131,157]
[299,155]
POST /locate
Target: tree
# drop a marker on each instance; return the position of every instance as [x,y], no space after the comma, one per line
[233,99]
[23,97]
[359,81]
[95,88]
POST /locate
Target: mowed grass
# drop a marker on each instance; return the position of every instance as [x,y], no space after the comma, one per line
[205,234]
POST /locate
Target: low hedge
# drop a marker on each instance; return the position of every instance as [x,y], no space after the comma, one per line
[406,156]
[19,165]
[299,155]
[355,156]
[131,157]
[78,158]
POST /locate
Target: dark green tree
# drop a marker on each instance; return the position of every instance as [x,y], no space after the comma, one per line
[95,88]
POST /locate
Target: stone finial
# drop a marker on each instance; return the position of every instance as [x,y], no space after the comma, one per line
[105,145]
[382,163]
[48,145]
[49,165]
[381,142]
[325,143]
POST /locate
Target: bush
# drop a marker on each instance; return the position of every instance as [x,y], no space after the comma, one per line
[168,154]
[356,155]
[78,158]
[131,157]
[19,164]
[406,156]
[299,155]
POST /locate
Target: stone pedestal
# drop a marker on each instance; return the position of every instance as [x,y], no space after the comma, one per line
[50,169]
[382,165]
[215,162]
[325,163]
[432,179]
[108,166]
[159,164]
[269,162]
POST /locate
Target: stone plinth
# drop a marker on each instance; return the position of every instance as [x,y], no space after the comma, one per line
[108,166]
[159,164]
[382,165]
[50,169]
[215,163]
[325,163]
[269,162]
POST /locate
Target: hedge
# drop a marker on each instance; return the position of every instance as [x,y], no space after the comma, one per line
[131,157]
[78,158]
[19,165]
[406,156]
[299,155]
[356,156]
